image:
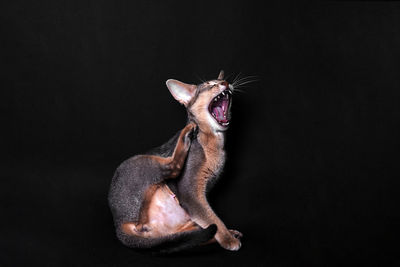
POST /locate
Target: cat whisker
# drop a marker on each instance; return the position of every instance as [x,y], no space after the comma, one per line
[245,82]
[201,80]
[236,78]
[235,90]
[242,82]
[244,79]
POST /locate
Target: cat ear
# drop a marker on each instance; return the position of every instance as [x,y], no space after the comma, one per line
[221,75]
[181,91]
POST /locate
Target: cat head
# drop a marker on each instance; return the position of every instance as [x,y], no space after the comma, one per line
[208,104]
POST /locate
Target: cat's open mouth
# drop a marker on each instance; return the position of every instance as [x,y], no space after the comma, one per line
[220,107]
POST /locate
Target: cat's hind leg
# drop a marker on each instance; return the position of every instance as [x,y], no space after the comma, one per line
[160,215]
[171,166]
[164,226]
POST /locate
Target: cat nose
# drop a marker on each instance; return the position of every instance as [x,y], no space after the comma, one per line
[225,83]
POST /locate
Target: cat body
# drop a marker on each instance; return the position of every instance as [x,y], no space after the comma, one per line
[158,199]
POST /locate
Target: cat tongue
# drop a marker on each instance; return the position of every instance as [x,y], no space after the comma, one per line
[218,111]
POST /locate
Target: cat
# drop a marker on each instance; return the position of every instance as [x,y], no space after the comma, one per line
[158,199]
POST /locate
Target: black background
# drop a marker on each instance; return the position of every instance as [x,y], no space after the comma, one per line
[312,176]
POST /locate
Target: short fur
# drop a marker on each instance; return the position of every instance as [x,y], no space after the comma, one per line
[174,178]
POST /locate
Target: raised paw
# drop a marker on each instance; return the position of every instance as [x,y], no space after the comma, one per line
[190,131]
[194,132]
[236,233]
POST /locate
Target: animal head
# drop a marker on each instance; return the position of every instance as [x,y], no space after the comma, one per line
[208,104]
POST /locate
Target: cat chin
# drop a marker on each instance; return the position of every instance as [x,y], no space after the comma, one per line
[215,126]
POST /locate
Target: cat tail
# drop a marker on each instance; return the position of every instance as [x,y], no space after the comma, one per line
[170,243]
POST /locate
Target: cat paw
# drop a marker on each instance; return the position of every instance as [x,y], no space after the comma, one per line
[236,233]
[233,244]
[143,228]
[194,132]
[230,243]
[189,135]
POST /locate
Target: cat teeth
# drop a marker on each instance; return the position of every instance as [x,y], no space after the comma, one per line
[224,94]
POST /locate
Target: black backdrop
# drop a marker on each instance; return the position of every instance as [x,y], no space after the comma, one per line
[312,176]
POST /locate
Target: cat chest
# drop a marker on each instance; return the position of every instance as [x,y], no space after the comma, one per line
[214,163]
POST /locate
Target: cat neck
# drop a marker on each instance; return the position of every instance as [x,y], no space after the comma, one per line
[211,141]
